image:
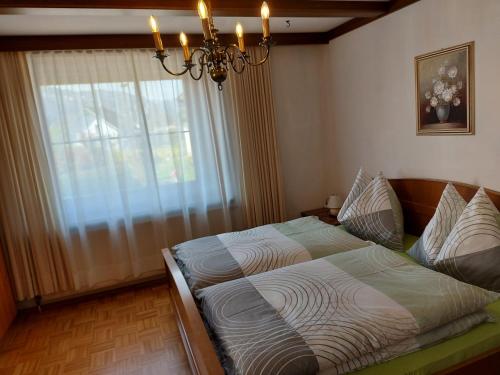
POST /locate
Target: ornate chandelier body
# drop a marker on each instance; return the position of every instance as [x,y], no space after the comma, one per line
[213,57]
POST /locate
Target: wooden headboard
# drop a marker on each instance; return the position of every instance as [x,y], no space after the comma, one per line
[420,197]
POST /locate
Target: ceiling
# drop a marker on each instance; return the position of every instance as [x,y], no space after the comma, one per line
[57,20]
[138,24]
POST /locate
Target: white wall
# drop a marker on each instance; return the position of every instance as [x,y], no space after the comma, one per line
[299,90]
[372,115]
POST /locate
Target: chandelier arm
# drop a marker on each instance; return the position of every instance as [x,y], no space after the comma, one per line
[242,66]
[201,61]
[232,47]
[173,73]
[264,59]
[231,59]
[196,78]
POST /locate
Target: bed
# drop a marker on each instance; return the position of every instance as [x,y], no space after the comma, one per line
[476,351]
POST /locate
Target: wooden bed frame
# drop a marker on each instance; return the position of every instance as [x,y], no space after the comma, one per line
[418,197]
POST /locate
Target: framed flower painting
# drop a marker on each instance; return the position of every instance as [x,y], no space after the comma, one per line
[445,91]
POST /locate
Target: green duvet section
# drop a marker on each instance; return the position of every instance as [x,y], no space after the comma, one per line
[438,357]
[318,238]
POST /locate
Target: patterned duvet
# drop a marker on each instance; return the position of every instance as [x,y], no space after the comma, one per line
[337,314]
[215,259]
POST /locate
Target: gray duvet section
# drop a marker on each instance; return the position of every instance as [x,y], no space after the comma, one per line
[211,256]
[254,338]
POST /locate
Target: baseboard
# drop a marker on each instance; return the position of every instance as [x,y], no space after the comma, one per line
[48,302]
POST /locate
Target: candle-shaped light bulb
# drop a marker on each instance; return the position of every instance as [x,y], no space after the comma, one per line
[239,34]
[264,13]
[202,9]
[239,30]
[185,48]
[156,33]
[183,38]
[264,10]
[153,24]
[203,13]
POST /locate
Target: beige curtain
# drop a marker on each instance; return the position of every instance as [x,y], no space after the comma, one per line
[250,97]
[140,160]
[28,224]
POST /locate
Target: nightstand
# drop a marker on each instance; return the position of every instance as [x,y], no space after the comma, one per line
[323,214]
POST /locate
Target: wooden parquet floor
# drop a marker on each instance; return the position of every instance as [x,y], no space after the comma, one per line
[132,332]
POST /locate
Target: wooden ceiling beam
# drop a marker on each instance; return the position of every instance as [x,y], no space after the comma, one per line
[304,8]
[350,25]
[61,42]
[222,8]
[395,5]
[67,42]
[355,23]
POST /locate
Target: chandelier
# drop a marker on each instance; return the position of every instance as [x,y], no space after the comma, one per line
[212,56]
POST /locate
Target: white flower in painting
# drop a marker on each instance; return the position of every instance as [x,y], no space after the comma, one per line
[452,72]
[454,89]
[428,109]
[434,80]
[428,95]
[438,87]
[434,101]
[447,95]
[442,70]
[456,101]
[460,84]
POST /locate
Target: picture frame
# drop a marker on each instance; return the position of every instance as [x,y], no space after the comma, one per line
[444,91]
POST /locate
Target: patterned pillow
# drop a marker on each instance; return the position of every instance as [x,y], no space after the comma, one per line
[471,252]
[360,183]
[450,207]
[376,215]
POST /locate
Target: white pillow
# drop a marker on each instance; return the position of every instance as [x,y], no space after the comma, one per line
[376,215]
[360,183]
[450,207]
[471,252]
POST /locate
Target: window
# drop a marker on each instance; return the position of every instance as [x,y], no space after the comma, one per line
[171,139]
[124,146]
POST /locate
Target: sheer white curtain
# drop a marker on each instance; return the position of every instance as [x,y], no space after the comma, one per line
[140,159]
